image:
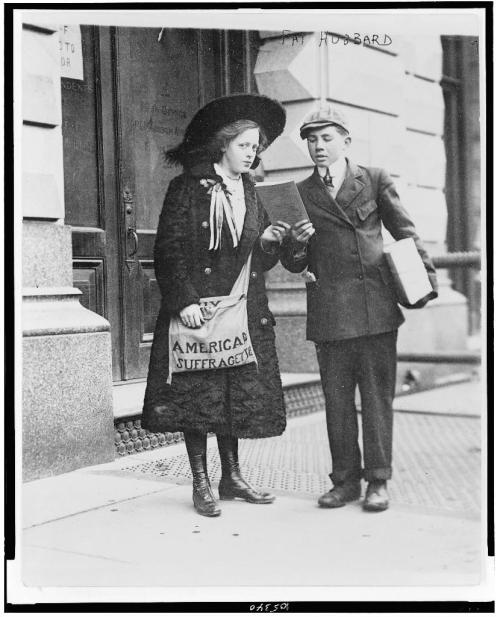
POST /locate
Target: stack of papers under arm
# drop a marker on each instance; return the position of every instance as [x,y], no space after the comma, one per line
[408,270]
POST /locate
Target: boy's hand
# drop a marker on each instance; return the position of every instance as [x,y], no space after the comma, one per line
[275,233]
[302,231]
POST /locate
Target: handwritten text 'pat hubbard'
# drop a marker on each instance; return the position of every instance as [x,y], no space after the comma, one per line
[289,37]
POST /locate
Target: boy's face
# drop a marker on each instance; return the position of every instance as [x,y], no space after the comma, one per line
[326,145]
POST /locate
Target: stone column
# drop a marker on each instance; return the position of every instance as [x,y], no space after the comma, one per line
[67,415]
[394,101]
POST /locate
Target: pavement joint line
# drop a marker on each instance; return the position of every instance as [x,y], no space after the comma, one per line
[100,507]
[91,555]
[173,483]
[399,506]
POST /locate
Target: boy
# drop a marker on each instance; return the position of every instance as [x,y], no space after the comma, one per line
[352,312]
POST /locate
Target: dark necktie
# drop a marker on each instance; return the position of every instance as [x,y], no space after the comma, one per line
[327,179]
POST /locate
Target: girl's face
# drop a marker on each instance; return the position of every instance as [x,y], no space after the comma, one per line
[240,153]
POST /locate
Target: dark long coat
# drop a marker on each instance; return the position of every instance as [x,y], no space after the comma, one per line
[243,401]
[354,294]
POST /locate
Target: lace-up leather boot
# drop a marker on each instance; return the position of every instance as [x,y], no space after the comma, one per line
[232,485]
[203,498]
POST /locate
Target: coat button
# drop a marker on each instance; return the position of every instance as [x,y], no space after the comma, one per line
[253,275]
[264,321]
[208,270]
[204,224]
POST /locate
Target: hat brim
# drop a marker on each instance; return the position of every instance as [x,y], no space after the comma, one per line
[269,114]
[312,126]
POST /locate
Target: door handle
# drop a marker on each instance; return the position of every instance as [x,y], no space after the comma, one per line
[132,232]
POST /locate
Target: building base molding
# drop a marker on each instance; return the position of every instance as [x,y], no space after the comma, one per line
[57,310]
[67,384]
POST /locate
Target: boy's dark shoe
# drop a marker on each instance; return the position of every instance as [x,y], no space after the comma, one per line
[376,498]
[340,494]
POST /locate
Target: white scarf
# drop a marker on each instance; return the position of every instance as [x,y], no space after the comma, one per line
[219,205]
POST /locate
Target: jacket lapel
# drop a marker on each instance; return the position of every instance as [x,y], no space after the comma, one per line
[250,231]
[351,186]
[320,196]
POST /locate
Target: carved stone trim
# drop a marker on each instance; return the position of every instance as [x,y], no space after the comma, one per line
[57,310]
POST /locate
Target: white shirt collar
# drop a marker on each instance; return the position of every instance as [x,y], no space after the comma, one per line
[337,170]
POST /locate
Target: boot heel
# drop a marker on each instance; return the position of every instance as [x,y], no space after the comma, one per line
[225,493]
[223,497]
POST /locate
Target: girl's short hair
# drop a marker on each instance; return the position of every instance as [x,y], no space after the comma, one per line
[212,150]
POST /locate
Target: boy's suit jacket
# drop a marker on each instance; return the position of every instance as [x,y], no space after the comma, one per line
[353,294]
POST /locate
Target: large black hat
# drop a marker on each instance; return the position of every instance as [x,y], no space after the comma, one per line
[269,114]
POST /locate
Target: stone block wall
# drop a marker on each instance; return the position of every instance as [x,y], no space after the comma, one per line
[394,101]
[67,415]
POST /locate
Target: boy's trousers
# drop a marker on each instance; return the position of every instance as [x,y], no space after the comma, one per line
[370,363]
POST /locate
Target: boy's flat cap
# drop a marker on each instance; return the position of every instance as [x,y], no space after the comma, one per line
[326,115]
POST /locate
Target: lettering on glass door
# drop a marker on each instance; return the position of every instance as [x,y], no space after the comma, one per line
[70,50]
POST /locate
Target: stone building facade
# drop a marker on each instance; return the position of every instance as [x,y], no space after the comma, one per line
[93,180]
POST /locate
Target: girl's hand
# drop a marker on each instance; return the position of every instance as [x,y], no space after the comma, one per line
[275,233]
[302,231]
[191,316]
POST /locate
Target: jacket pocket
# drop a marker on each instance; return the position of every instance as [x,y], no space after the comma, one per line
[366,209]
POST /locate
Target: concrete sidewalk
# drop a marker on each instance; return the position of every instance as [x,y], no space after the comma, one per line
[131,522]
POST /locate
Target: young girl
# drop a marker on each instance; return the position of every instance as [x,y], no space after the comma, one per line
[198,256]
